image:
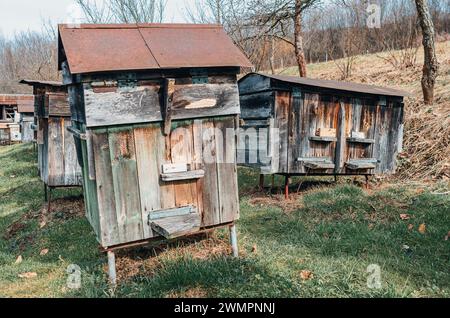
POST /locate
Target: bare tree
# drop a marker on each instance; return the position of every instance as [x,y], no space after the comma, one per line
[123,11]
[431,65]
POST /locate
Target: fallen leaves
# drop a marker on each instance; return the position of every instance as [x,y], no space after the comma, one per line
[255,249]
[44,252]
[410,227]
[28,275]
[19,260]
[447,236]
[404,217]
[306,275]
[422,228]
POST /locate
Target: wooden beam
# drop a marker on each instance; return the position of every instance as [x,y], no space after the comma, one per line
[177,226]
[169,90]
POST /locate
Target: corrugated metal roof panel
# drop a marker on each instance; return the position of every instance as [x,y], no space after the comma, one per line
[120,47]
[337,85]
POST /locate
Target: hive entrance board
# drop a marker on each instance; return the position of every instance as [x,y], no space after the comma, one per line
[176,226]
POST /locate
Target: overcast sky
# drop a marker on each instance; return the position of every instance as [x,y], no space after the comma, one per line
[22,15]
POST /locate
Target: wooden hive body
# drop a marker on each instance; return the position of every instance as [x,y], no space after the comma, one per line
[57,160]
[325,127]
[156,135]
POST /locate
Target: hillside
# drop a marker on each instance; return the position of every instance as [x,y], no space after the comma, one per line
[427,129]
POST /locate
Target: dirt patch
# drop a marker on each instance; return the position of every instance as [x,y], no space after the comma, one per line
[63,209]
[147,261]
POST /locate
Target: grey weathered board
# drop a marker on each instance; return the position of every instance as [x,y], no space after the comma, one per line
[176,226]
[141,104]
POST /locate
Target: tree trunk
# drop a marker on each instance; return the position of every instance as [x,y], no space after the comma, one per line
[431,65]
[299,52]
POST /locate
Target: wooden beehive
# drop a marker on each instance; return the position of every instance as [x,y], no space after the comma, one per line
[324,127]
[57,159]
[15,113]
[151,111]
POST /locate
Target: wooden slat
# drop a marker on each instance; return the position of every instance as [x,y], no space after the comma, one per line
[179,176]
[56,152]
[148,157]
[177,226]
[181,152]
[126,185]
[160,214]
[211,215]
[319,165]
[72,169]
[105,189]
[142,104]
[341,140]
[226,171]
[174,167]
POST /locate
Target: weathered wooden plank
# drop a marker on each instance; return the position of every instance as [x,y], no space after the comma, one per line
[257,106]
[56,152]
[197,163]
[72,169]
[226,170]
[341,144]
[282,119]
[181,152]
[177,226]
[174,167]
[148,157]
[319,165]
[126,185]
[179,176]
[105,191]
[58,105]
[160,214]
[211,215]
[142,104]
[361,140]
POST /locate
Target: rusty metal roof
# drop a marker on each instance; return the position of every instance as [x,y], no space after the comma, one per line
[41,83]
[337,85]
[91,48]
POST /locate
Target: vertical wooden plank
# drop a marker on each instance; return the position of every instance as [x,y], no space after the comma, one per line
[72,170]
[105,190]
[341,140]
[126,185]
[56,152]
[211,215]
[197,135]
[181,148]
[148,166]
[282,108]
[227,171]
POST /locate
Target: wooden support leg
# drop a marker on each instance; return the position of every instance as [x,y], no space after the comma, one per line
[261,182]
[112,268]
[287,182]
[233,239]
[273,183]
[335,178]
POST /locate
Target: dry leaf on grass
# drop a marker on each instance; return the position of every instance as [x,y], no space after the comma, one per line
[410,227]
[255,249]
[447,236]
[28,275]
[44,252]
[306,275]
[404,216]
[42,224]
[19,259]
[422,228]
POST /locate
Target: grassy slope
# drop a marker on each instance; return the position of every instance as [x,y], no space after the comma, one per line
[333,231]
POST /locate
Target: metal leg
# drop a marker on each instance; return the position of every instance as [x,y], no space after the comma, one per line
[233,239]
[367,182]
[287,181]
[50,189]
[261,182]
[45,193]
[112,268]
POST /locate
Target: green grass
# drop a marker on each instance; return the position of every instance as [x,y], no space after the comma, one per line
[334,231]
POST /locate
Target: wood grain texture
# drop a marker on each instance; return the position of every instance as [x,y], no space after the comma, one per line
[126,185]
